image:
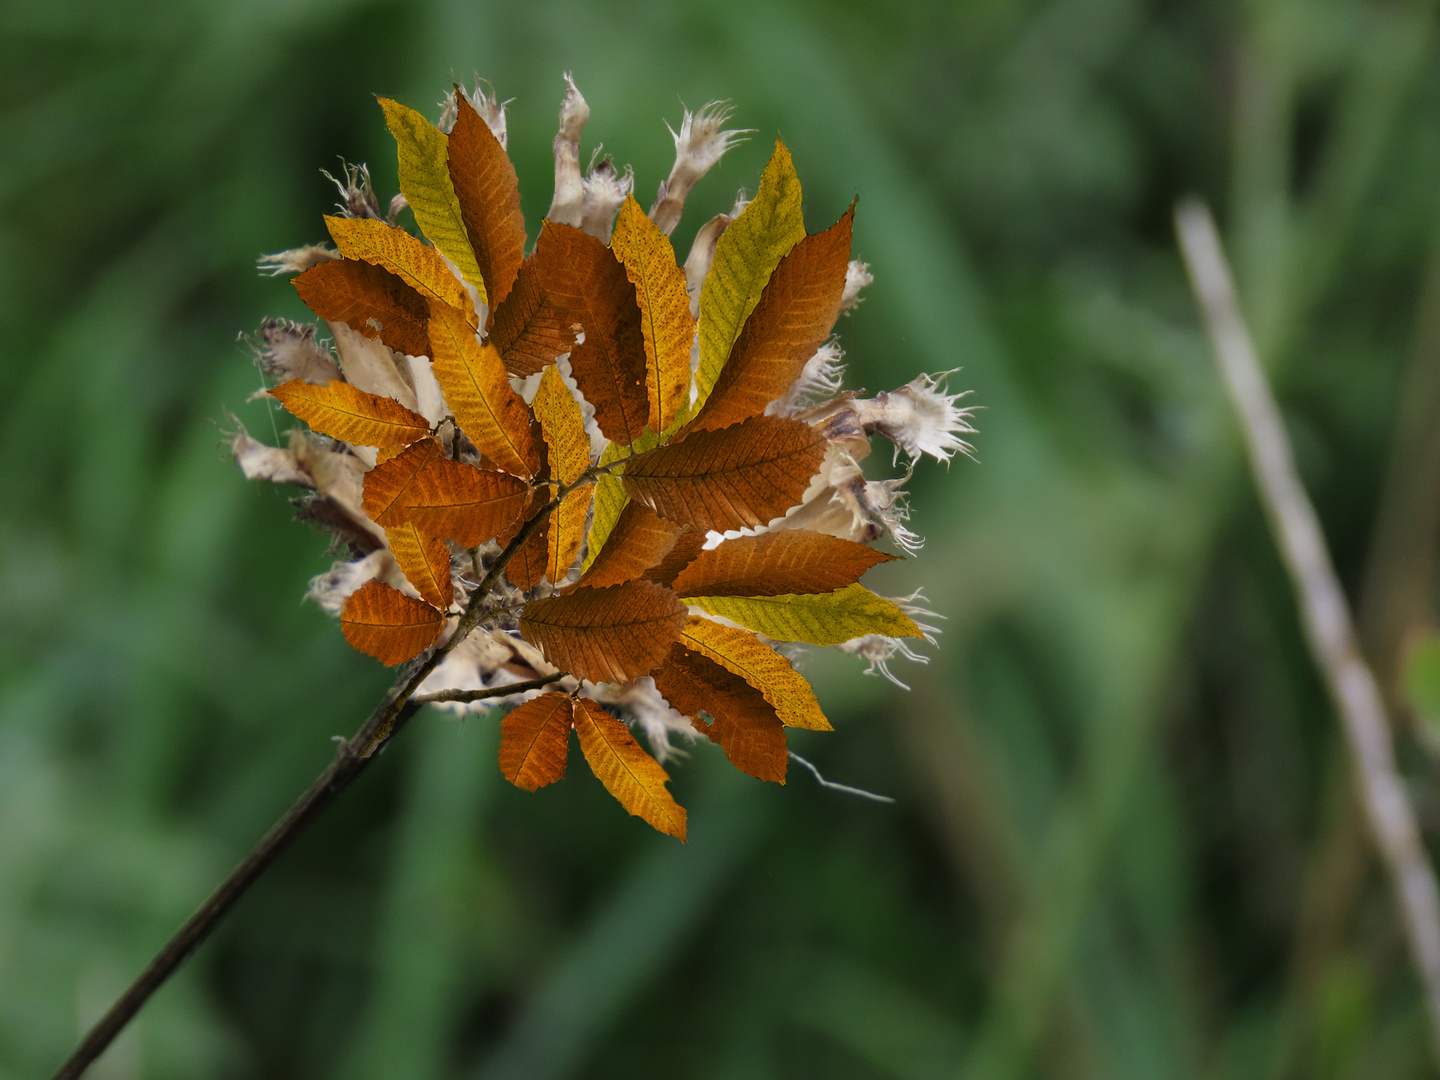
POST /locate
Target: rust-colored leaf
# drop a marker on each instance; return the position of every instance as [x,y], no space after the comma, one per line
[559,415]
[422,268]
[741,476]
[665,320]
[566,532]
[388,484]
[385,623]
[788,561]
[478,391]
[630,774]
[424,560]
[613,634]
[489,195]
[533,326]
[459,502]
[762,667]
[535,740]
[369,299]
[689,545]
[743,723]
[795,315]
[639,541]
[585,281]
[351,415]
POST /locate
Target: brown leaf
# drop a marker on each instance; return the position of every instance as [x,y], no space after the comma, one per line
[424,560]
[559,415]
[585,281]
[385,623]
[478,391]
[527,567]
[459,502]
[369,299]
[630,774]
[532,327]
[795,315]
[762,667]
[535,740]
[788,561]
[387,485]
[639,541]
[613,634]
[744,724]
[665,319]
[689,544]
[489,195]
[566,532]
[351,415]
[735,478]
[422,268]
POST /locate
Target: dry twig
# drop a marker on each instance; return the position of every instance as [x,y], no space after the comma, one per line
[1324,611]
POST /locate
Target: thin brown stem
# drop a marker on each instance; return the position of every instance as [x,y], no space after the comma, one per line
[352,756]
[1324,611]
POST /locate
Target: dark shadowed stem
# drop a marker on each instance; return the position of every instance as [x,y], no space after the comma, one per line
[353,755]
[1324,611]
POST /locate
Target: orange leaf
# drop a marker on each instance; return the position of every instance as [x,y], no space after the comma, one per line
[640,539]
[613,634]
[559,415]
[459,502]
[387,485]
[478,391]
[424,560]
[759,665]
[582,278]
[533,326]
[795,315]
[740,476]
[566,532]
[744,724]
[489,197]
[351,415]
[788,561]
[528,565]
[385,623]
[422,268]
[665,319]
[535,740]
[630,774]
[369,299]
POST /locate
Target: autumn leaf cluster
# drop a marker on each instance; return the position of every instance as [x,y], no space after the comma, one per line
[582,460]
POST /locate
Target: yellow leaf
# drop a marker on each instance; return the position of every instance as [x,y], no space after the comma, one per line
[424,560]
[424,152]
[746,253]
[630,774]
[817,618]
[564,428]
[665,317]
[351,415]
[610,499]
[761,666]
[472,375]
[396,250]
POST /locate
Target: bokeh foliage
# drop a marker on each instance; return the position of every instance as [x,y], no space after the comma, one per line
[1124,844]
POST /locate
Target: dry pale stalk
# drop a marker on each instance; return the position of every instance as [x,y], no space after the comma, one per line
[1324,611]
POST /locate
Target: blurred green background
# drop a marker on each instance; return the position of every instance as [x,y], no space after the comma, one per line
[1124,844]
